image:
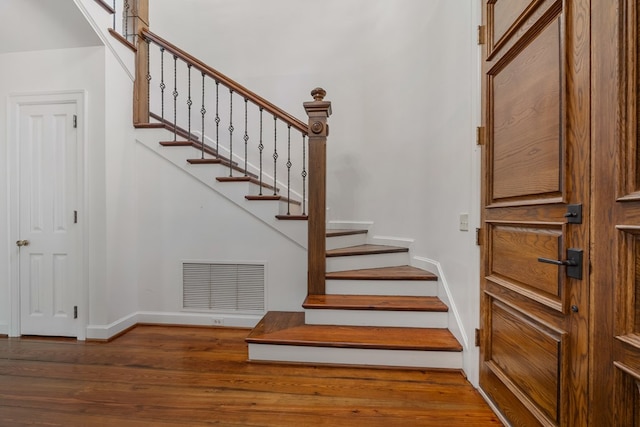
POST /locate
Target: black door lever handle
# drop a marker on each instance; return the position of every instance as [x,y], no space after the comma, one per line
[573,263]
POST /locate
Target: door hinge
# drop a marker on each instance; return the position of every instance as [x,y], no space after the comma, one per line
[75,217]
[75,121]
[480,135]
[477,337]
[478,236]
[75,311]
[481,34]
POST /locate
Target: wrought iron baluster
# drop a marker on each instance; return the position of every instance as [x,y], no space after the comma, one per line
[175,97]
[126,19]
[162,85]
[246,136]
[230,132]
[288,169]
[148,76]
[217,120]
[114,15]
[275,155]
[304,174]
[260,148]
[189,103]
[203,111]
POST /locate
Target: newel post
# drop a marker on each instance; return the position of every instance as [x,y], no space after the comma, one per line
[318,111]
[140,16]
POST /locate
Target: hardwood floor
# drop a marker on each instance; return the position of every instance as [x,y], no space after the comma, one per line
[183,376]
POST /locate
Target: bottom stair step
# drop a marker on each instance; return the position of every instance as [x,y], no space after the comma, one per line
[284,337]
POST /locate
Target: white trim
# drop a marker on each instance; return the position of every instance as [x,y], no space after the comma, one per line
[356,356]
[402,242]
[14,102]
[105,332]
[444,293]
[4,329]
[349,225]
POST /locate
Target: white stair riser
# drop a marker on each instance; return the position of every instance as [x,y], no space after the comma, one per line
[336,242]
[407,319]
[356,356]
[382,287]
[357,262]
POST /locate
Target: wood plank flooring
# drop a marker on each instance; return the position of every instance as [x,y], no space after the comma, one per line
[183,376]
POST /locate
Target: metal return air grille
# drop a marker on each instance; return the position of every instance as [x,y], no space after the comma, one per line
[223,287]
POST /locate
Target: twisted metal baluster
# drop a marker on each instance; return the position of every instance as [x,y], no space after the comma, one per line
[275,154]
[260,148]
[217,120]
[189,103]
[126,19]
[148,76]
[230,132]
[162,85]
[175,98]
[246,137]
[288,169]
[203,111]
[304,174]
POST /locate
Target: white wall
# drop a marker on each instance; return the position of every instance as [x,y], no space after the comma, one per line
[47,71]
[402,76]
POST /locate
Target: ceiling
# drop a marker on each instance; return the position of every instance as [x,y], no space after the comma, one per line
[43,24]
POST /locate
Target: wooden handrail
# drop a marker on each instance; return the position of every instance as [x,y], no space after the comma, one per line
[226,81]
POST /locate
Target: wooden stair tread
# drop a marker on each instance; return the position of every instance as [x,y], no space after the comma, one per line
[288,328]
[404,272]
[365,250]
[344,232]
[293,217]
[272,197]
[375,302]
[250,178]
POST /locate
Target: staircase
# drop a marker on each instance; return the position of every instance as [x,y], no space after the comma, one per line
[366,305]
[377,310]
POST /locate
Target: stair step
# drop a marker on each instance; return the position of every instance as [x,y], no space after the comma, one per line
[403,272]
[366,256]
[282,327]
[345,238]
[344,232]
[365,250]
[293,217]
[376,310]
[374,302]
[251,179]
[271,197]
[283,336]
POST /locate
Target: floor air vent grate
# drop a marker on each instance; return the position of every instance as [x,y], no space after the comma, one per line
[223,287]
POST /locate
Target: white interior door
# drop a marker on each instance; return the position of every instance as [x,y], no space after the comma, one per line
[49,236]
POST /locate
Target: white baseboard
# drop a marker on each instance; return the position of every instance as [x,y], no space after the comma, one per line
[105,332]
[4,329]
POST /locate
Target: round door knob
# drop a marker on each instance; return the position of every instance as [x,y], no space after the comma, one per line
[22,243]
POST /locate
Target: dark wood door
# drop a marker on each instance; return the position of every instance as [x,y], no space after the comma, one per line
[615,378]
[536,163]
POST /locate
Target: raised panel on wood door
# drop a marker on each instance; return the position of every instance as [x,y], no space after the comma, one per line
[527,357]
[626,395]
[525,120]
[514,250]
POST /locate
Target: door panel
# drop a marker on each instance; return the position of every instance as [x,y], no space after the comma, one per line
[48,197]
[615,379]
[534,357]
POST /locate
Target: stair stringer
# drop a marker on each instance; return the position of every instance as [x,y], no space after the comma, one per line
[235,192]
